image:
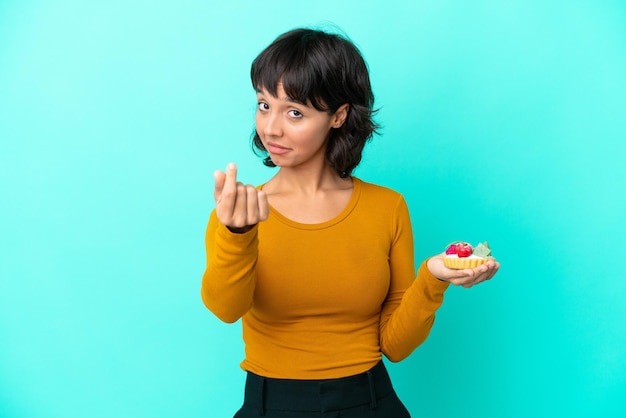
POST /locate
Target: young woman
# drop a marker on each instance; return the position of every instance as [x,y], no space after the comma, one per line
[318,263]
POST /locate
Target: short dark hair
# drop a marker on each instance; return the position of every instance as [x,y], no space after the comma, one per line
[327,70]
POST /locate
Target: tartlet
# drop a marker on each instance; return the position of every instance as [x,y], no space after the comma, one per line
[461,255]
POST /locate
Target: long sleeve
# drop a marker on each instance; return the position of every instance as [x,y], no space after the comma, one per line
[409,310]
[411,322]
[229,279]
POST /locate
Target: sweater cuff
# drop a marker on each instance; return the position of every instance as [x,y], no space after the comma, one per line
[430,280]
[234,240]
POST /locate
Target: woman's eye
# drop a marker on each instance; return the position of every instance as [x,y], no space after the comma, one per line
[295,114]
[263,106]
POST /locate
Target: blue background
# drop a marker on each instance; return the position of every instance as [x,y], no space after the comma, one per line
[503,121]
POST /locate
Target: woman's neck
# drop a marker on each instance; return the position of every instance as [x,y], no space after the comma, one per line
[309,198]
[310,182]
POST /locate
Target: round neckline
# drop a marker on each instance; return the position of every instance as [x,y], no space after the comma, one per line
[356,192]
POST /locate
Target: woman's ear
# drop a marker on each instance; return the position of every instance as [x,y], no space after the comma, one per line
[339,117]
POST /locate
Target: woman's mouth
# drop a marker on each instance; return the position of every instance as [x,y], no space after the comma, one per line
[273,148]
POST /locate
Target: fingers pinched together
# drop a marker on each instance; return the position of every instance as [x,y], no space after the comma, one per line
[238,206]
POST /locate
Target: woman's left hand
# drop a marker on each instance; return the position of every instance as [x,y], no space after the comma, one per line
[466,277]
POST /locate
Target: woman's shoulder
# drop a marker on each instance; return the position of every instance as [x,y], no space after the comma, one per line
[377,190]
[381,202]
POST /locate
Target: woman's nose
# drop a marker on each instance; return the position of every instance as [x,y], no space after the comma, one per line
[272,125]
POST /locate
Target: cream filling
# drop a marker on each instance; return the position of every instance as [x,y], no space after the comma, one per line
[470,257]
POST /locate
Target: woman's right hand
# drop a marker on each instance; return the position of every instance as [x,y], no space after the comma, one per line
[238,206]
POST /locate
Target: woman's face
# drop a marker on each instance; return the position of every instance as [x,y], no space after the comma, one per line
[293,133]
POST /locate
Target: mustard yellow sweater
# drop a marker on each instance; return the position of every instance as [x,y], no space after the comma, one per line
[321,301]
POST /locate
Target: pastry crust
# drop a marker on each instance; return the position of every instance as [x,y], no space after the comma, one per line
[464,263]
